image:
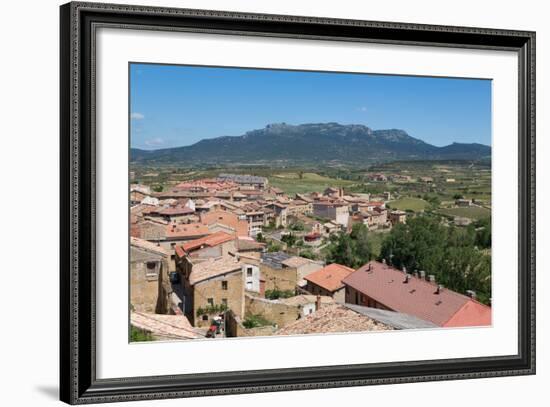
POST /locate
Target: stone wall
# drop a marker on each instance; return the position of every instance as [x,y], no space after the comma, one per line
[272,310]
[279,279]
[234,328]
[149,287]
[229,287]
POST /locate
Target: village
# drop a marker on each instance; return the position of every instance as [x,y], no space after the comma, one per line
[234,256]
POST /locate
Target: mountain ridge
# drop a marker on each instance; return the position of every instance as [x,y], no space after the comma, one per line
[311,142]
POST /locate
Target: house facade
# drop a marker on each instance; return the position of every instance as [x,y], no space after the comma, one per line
[210,287]
[149,284]
[397,217]
[328,281]
[335,211]
[276,274]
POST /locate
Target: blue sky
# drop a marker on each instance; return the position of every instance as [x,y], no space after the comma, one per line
[175,106]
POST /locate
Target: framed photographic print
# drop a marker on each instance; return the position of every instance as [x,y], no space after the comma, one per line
[255,203]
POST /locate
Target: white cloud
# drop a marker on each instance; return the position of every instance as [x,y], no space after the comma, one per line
[154,142]
[137,116]
[362,109]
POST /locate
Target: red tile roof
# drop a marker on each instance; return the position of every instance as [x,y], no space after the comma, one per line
[211,240]
[177,210]
[330,277]
[186,230]
[226,218]
[418,297]
[472,313]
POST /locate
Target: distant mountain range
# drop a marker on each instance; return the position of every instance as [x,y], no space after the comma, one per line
[311,143]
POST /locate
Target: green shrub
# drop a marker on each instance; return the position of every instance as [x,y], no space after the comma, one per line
[256,320]
[139,335]
[276,294]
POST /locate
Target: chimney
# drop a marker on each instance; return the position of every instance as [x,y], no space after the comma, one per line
[471,294]
[431,279]
[416,274]
[318,303]
[404,269]
[422,274]
[384,262]
[439,289]
[407,278]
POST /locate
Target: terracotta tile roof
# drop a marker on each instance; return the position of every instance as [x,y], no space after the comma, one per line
[177,210]
[330,277]
[213,268]
[226,218]
[418,297]
[148,246]
[472,313]
[307,299]
[208,184]
[165,326]
[332,318]
[186,230]
[210,240]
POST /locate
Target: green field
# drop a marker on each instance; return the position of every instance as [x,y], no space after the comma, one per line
[413,204]
[472,212]
[291,183]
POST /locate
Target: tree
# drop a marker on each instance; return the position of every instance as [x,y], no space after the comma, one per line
[308,254]
[363,248]
[483,233]
[449,253]
[351,250]
[289,239]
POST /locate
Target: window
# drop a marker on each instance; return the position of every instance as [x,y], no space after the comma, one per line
[224,285]
[151,270]
[249,271]
[205,317]
[249,285]
[211,301]
[224,301]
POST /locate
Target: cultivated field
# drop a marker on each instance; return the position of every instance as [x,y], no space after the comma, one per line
[473,212]
[413,204]
[292,183]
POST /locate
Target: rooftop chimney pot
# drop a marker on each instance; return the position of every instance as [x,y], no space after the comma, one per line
[318,303]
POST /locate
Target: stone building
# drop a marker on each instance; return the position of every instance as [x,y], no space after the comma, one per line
[211,286]
[335,211]
[303,267]
[149,283]
[397,217]
[276,274]
[328,281]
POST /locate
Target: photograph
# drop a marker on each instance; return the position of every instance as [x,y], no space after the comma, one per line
[271,202]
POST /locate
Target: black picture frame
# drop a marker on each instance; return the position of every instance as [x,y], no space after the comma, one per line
[78,382]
